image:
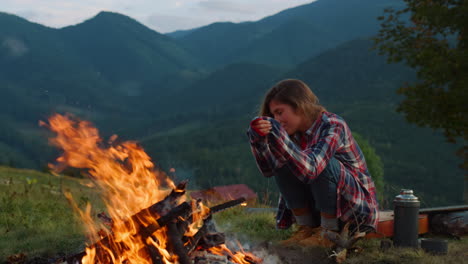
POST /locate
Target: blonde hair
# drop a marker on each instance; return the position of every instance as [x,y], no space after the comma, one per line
[296,94]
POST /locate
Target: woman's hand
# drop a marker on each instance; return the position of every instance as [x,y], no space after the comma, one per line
[262,127]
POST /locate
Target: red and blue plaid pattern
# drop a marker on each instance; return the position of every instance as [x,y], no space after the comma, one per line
[328,137]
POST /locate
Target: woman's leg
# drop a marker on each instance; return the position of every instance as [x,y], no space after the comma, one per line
[298,197]
[318,196]
[324,190]
[324,187]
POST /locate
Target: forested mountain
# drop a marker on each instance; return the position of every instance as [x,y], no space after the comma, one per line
[188,97]
[108,68]
[128,53]
[38,73]
[33,54]
[353,72]
[235,87]
[289,37]
[106,61]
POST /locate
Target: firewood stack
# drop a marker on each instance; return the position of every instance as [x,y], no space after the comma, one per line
[176,218]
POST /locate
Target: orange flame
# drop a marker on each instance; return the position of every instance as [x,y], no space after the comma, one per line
[239,257]
[128,183]
[126,179]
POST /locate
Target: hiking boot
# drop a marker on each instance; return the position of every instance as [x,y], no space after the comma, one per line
[301,233]
[318,239]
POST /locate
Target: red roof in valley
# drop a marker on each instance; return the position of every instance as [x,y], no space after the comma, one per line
[224,193]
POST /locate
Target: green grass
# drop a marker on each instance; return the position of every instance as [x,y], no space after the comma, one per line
[256,226]
[261,227]
[457,253]
[35,217]
[36,220]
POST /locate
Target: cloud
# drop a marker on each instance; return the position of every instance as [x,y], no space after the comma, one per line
[167,23]
[161,15]
[53,16]
[226,6]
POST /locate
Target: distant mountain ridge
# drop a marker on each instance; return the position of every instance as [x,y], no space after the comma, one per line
[111,51]
[332,22]
[113,35]
[94,70]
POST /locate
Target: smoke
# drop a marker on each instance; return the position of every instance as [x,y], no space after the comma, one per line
[15,47]
[227,6]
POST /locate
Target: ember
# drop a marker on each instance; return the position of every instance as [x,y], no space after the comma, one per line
[150,219]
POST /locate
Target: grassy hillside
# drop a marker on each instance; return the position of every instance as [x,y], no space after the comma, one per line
[36,218]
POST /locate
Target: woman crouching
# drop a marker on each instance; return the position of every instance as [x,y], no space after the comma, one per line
[317,165]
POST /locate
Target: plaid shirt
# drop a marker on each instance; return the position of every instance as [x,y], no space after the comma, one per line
[329,136]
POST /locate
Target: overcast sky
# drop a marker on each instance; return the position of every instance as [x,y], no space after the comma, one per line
[160,15]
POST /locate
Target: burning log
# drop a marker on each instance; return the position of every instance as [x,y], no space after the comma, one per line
[212,240]
[207,240]
[192,242]
[163,207]
[203,239]
[166,208]
[226,205]
[175,238]
[183,210]
[181,214]
[172,200]
[208,230]
[154,255]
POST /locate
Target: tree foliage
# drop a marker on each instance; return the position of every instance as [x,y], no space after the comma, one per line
[431,36]
[374,164]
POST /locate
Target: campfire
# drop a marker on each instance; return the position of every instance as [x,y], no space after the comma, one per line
[149,218]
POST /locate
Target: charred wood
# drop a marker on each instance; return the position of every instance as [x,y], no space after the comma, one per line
[183,210]
[176,217]
[192,242]
[212,240]
[154,254]
[162,207]
[175,239]
[170,201]
[226,205]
